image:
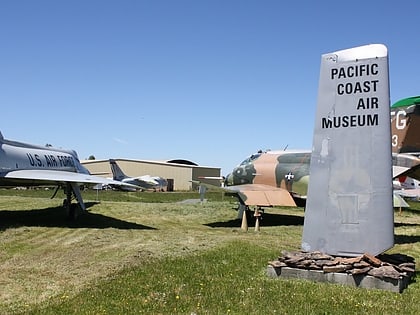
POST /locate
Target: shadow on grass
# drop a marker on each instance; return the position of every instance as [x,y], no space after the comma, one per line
[56,217]
[398,224]
[269,219]
[406,239]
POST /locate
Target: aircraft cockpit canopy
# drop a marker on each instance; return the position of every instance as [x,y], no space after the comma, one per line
[252,158]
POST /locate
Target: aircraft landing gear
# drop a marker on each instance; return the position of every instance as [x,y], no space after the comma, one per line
[71,208]
[258,216]
[248,216]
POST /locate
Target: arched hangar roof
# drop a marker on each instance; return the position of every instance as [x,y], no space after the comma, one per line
[182,161]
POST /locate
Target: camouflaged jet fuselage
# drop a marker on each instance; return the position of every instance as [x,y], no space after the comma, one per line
[287,170]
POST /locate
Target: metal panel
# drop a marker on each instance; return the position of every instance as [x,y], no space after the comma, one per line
[349,208]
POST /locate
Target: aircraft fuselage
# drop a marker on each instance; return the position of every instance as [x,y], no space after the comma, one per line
[15,156]
[283,169]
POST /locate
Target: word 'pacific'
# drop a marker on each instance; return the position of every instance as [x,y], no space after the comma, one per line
[354,71]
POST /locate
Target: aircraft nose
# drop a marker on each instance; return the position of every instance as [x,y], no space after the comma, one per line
[238,176]
[229,179]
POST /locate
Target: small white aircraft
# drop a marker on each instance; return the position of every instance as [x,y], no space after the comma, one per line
[23,164]
[144,182]
[407,187]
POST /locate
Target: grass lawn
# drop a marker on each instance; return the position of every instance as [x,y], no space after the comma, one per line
[148,253]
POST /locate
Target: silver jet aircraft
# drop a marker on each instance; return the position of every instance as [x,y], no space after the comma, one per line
[144,182]
[23,164]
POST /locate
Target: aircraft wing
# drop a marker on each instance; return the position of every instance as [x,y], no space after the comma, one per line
[145,181]
[398,170]
[150,180]
[398,201]
[408,193]
[262,195]
[55,176]
[413,172]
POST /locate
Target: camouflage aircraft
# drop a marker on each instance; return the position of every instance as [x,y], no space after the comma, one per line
[405,122]
[271,178]
[280,178]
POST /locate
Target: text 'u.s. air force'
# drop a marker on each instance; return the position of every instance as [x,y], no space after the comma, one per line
[50,160]
[363,89]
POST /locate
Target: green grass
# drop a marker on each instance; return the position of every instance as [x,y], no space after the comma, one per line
[115,195]
[164,257]
[227,280]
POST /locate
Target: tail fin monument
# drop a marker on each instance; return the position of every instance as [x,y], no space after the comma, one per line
[349,206]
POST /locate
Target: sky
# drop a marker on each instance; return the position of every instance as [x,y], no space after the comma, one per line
[210,81]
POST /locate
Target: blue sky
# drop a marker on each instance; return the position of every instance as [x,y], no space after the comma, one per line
[208,81]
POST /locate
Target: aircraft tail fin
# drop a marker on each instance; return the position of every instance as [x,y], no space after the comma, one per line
[405,125]
[349,209]
[117,173]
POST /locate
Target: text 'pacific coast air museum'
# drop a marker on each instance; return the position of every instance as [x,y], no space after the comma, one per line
[179,173]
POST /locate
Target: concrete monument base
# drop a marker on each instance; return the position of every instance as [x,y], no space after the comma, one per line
[358,280]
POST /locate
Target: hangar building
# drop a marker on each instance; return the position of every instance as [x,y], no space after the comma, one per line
[179,173]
